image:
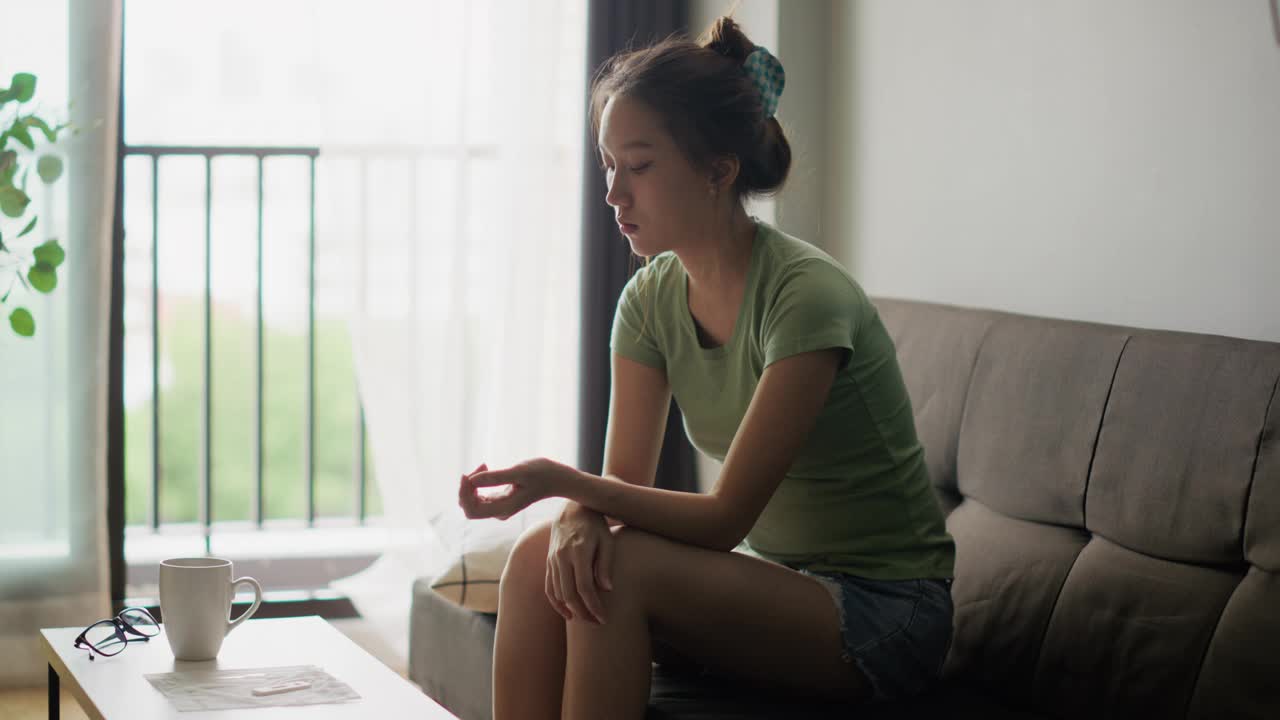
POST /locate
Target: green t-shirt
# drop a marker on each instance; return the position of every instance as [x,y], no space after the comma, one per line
[857,499]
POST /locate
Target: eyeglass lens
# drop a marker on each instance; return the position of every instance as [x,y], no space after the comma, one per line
[108,637]
[140,621]
[104,638]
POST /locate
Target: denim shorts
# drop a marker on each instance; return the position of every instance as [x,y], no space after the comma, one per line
[897,632]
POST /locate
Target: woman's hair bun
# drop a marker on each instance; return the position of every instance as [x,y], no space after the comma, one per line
[726,38]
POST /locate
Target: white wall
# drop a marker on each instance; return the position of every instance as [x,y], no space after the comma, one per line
[1104,160]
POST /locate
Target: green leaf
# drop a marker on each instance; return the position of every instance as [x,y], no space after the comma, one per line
[50,134]
[50,253]
[22,322]
[43,277]
[30,226]
[20,133]
[49,167]
[23,86]
[13,202]
[8,163]
[6,174]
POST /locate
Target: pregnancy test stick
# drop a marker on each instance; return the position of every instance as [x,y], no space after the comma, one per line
[281,688]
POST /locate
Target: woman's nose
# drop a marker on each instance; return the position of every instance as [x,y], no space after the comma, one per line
[616,195]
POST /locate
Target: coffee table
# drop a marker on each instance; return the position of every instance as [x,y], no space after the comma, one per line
[114,687]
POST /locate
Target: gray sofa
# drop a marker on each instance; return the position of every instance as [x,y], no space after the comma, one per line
[1114,494]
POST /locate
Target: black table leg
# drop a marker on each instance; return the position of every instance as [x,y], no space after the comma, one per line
[53,694]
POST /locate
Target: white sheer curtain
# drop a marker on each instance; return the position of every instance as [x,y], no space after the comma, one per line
[53,540]
[474,358]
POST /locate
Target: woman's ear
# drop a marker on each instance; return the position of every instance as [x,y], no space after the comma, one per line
[724,171]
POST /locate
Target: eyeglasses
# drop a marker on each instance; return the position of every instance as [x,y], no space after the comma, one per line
[111,636]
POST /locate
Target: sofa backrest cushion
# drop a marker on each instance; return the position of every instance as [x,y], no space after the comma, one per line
[1184,417]
[937,349]
[1115,500]
[1241,665]
[1032,416]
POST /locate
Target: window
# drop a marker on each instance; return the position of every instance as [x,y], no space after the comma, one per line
[374,137]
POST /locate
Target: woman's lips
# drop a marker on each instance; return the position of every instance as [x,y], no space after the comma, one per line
[627,228]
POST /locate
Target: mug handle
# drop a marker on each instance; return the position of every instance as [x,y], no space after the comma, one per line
[257,600]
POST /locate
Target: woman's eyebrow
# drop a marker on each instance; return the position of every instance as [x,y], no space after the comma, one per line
[643,144]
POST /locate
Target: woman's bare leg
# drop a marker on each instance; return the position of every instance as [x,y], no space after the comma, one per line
[735,614]
[607,673]
[529,649]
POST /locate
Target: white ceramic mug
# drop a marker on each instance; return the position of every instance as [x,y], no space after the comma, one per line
[195,605]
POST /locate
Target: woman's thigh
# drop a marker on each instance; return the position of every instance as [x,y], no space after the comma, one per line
[739,616]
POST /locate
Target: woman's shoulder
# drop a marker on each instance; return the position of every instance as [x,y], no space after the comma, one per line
[789,261]
[658,266]
[663,263]
[652,281]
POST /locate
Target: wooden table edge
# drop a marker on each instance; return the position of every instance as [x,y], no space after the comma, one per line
[66,678]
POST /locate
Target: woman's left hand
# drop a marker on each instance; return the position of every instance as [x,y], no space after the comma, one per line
[529,481]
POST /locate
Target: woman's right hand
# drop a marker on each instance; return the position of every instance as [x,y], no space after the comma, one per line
[579,561]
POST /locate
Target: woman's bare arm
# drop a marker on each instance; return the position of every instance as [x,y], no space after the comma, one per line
[639,401]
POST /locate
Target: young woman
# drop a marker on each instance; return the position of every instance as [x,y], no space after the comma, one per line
[784,372]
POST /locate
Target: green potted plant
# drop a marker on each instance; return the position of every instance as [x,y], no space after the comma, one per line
[34,266]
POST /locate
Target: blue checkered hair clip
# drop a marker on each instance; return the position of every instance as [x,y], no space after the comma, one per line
[766,73]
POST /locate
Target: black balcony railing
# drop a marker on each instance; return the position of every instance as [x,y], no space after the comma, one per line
[205,518]
[333,552]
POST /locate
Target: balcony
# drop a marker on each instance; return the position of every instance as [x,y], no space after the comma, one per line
[245,437]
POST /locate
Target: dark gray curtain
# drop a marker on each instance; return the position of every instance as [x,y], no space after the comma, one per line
[606,258]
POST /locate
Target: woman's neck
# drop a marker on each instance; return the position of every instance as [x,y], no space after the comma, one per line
[718,265]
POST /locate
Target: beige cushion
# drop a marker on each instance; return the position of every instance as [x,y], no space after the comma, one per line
[471,579]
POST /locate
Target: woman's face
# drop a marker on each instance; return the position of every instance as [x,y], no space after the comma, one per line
[662,199]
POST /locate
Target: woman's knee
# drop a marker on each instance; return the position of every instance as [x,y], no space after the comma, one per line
[527,565]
